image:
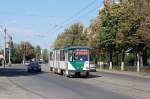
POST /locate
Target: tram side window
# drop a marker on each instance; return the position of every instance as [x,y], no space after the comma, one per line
[62,55]
[57,55]
[51,55]
[70,57]
[66,56]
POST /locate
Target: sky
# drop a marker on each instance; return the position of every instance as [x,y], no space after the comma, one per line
[40,21]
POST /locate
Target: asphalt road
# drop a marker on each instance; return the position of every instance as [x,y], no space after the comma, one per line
[136,78]
[47,85]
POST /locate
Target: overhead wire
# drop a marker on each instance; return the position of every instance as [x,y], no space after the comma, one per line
[94,9]
[75,15]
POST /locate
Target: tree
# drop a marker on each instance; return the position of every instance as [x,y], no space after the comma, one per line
[27,50]
[109,28]
[125,26]
[37,51]
[93,39]
[45,54]
[141,9]
[74,35]
[16,54]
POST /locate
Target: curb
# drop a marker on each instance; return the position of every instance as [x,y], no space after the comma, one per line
[138,74]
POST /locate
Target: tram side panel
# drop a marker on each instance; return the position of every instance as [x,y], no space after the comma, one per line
[57,64]
[52,61]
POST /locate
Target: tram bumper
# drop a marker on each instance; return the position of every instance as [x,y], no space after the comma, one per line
[78,73]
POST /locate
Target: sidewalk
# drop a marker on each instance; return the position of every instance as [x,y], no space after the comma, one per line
[10,91]
[139,74]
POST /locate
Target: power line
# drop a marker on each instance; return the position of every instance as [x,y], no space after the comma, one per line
[76,14]
[80,11]
[94,9]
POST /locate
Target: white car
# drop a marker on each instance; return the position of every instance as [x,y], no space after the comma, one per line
[92,66]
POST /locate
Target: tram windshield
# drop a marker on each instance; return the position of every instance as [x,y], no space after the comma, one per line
[79,55]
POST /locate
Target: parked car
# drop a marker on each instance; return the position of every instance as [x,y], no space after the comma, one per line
[92,66]
[34,67]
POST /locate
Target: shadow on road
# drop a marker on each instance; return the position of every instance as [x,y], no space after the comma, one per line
[93,76]
[89,77]
[14,72]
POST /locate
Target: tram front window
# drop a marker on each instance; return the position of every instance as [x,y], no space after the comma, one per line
[81,57]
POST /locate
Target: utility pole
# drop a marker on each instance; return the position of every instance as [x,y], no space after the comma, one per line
[5,31]
[10,42]
[9,63]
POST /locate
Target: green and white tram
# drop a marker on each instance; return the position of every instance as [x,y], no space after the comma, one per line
[70,61]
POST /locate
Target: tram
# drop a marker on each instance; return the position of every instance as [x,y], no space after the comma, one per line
[70,61]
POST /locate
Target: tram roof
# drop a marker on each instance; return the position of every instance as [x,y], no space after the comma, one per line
[72,47]
[75,47]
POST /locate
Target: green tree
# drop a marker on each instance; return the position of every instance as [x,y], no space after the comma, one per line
[45,54]
[37,51]
[27,51]
[125,26]
[74,35]
[93,39]
[109,28]
[141,39]
[16,56]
